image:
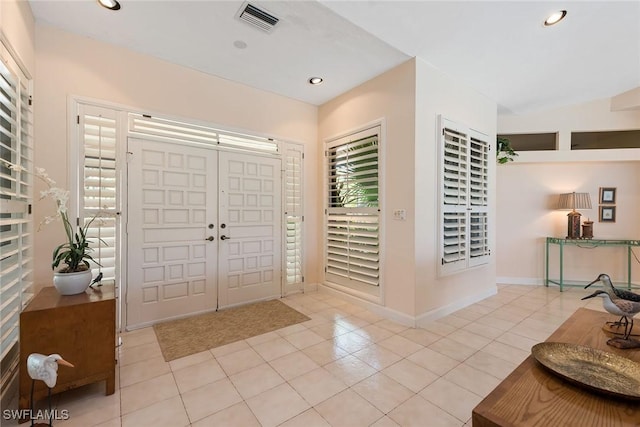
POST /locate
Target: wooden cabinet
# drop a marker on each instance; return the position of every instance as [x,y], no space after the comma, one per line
[81,328]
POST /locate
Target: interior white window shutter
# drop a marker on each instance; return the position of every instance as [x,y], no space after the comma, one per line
[463,197]
[99,186]
[479,187]
[176,130]
[353,218]
[16,196]
[293,209]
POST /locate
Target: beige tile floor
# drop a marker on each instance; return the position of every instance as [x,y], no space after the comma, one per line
[344,367]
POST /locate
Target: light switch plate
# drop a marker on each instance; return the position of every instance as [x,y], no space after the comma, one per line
[400,214]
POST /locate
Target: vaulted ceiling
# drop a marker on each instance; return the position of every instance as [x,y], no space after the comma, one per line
[500,48]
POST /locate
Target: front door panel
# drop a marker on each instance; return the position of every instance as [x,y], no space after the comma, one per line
[250,209]
[171,203]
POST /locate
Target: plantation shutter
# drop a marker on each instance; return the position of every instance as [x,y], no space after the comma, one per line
[455,238]
[143,124]
[478,170]
[479,183]
[98,130]
[352,224]
[454,199]
[293,212]
[16,188]
[463,197]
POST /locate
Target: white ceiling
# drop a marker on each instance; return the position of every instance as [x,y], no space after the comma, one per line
[499,48]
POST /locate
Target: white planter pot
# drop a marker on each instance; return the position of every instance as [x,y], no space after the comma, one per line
[72,283]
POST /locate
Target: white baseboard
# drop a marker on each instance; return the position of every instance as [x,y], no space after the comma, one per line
[403,318]
[309,287]
[519,281]
[381,311]
[439,312]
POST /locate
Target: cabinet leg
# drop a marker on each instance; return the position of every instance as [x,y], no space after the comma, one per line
[111,384]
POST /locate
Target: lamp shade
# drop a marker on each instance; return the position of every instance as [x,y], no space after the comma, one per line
[573,201]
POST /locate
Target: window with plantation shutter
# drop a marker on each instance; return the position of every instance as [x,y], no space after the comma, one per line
[16,228]
[352,215]
[464,157]
[143,124]
[98,198]
[293,185]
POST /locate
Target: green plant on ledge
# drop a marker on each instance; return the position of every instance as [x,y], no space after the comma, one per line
[504,151]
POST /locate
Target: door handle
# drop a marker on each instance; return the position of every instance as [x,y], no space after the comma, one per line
[210,238]
[223,237]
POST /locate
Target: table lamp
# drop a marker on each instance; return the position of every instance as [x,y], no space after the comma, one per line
[574,201]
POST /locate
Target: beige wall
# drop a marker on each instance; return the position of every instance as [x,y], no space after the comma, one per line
[527,194]
[390,96]
[72,65]
[410,98]
[439,94]
[526,190]
[629,100]
[17,26]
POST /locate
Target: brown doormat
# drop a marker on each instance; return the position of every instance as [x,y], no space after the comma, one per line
[183,337]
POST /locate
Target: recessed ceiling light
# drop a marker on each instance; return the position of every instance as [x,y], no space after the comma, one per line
[555,17]
[110,4]
[315,80]
[239,44]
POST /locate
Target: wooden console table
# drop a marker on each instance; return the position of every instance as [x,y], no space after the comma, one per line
[584,243]
[533,396]
[81,328]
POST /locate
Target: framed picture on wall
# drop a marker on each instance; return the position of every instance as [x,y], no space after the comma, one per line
[607,214]
[607,195]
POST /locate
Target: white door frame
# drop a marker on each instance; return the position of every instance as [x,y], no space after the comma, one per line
[123,133]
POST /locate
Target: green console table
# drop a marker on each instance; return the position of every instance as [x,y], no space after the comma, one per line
[584,243]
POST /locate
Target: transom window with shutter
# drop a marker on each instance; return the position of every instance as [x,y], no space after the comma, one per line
[464,159]
[143,124]
[16,192]
[353,214]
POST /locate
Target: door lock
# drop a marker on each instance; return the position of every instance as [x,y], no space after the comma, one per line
[223,237]
[210,238]
[223,225]
[210,225]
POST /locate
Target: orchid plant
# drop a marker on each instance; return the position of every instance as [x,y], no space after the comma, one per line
[75,252]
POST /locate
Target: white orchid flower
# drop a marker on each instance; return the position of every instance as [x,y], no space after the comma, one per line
[74,253]
[42,174]
[47,220]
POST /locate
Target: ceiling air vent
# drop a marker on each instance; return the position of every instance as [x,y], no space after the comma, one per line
[257,17]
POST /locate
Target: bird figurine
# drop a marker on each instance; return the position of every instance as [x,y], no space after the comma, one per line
[45,368]
[97,280]
[614,293]
[608,286]
[619,307]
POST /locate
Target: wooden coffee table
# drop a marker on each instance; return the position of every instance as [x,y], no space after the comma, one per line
[533,396]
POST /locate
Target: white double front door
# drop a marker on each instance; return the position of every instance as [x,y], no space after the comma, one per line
[203,230]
